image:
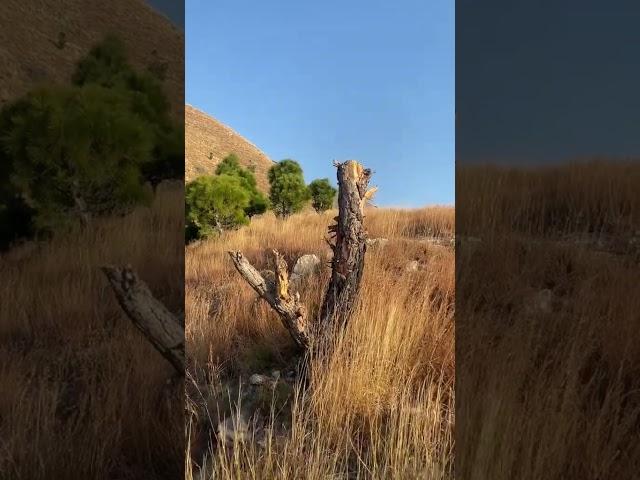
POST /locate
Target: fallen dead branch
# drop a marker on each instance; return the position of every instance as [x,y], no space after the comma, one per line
[149,315]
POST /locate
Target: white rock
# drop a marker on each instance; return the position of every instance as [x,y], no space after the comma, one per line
[377,242]
[305,265]
[412,266]
[232,430]
[257,379]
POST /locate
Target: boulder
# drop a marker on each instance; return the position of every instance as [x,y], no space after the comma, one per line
[305,266]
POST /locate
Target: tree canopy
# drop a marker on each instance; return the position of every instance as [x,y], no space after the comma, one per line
[222,201]
[215,203]
[322,194]
[288,192]
[73,151]
[258,203]
[77,152]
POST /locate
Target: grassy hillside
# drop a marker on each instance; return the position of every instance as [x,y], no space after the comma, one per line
[382,405]
[29,55]
[206,137]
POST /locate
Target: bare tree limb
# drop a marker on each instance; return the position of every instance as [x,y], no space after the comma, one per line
[292,313]
[150,316]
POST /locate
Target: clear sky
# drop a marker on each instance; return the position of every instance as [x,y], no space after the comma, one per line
[547,81]
[318,81]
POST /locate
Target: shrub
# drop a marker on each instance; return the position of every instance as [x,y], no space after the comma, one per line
[322,194]
[106,65]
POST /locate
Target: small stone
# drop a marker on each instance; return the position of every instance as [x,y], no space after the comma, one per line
[541,302]
[257,379]
[232,430]
[377,242]
[276,374]
[412,266]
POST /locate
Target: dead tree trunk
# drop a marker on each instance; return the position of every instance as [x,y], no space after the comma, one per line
[350,244]
[347,264]
[150,316]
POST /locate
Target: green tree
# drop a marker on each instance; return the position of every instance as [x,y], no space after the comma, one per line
[16,217]
[322,194]
[87,148]
[258,203]
[106,65]
[76,152]
[214,203]
[288,192]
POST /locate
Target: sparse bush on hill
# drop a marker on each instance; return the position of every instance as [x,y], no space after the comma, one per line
[61,41]
[76,151]
[288,192]
[322,194]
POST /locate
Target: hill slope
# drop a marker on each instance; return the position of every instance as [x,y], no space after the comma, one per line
[29,55]
[206,137]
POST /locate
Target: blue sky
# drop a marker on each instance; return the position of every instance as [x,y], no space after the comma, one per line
[318,81]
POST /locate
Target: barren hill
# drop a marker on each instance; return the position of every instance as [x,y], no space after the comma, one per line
[30,30]
[207,142]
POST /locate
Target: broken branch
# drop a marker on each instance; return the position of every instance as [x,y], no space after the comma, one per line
[149,315]
[292,313]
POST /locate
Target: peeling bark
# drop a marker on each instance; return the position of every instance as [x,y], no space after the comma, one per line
[149,315]
[292,313]
[350,244]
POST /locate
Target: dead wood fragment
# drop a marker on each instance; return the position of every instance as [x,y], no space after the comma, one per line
[149,315]
[276,294]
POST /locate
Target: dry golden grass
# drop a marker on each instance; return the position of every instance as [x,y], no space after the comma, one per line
[381,406]
[547,392]
[82,393]
[596,196]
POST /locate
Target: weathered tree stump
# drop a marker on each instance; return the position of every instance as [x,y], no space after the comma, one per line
[347,265]
[350,244]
